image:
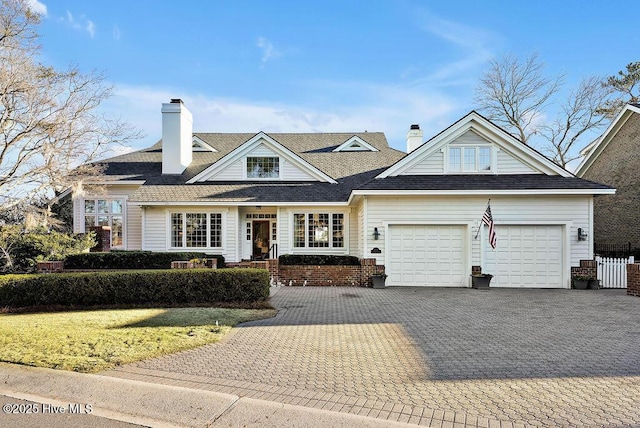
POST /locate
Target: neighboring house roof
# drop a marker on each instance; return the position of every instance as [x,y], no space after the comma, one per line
[593,150]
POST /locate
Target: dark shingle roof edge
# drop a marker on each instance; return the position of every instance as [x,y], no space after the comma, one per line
[462,182]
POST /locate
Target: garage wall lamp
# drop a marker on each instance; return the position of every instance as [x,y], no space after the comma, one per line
[582,235]
[376,234]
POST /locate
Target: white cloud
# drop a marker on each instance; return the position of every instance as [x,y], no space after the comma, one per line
[269,52]
[91,28]
[386,109]
[471,46]
[37,7]
[116,32]
[81,24]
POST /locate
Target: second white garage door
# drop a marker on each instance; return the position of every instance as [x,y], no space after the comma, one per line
[526,256]
[426,256]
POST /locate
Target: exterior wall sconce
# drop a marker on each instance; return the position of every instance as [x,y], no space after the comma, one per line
[582,235]
[376,234]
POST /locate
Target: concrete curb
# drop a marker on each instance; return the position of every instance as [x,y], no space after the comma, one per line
[159,405]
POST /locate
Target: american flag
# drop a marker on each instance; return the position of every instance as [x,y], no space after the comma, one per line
[487,219]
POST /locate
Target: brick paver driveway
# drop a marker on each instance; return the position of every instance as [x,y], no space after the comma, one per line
[435,357]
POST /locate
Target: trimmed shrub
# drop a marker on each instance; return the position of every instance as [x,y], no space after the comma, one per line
[131,260]
[155,287]
[312,259]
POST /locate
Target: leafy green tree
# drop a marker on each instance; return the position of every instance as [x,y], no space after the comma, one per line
[21,250]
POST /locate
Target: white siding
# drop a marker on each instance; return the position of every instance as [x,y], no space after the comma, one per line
[234,172]
[230,227]
[508,164]
[134,227]
[572,211]
[290,172]
[285,220]
[352,232]
[262,150]
[155,229]
[469,138]
[432,164]
[356,247]
[284,236]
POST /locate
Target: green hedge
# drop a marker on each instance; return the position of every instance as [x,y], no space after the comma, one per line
[161,287]
[131,260]
[312,259]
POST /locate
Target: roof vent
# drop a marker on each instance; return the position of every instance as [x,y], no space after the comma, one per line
[415,126]
[176,101]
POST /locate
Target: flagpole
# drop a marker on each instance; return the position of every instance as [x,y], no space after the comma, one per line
[478,232]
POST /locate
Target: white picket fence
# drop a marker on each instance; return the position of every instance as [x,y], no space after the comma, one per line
[612,272]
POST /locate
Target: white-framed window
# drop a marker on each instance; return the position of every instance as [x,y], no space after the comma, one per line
[195,230]
[106,212]
[263,167]
[470,159]
[318,230]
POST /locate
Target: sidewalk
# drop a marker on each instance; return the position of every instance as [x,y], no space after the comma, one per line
[156,405]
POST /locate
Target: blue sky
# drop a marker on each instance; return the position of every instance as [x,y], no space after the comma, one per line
[331,66]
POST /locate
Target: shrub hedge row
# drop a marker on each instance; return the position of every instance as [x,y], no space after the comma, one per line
[312,259]
[131,260]
[162,287]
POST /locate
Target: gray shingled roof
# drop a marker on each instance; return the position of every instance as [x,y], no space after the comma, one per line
[349,169]
[481,182]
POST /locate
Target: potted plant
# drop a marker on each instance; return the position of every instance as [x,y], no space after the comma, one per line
[378,279]
[481,280]
[581,282]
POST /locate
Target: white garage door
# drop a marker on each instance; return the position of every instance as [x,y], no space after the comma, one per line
[526,256]
[426,256]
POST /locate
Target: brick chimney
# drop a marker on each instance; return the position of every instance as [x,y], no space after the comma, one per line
[177,137]
[414,138]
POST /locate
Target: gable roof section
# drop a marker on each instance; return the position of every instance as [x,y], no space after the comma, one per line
[199,145]
[593,150]
[487,130]
[355,144]
[244,149]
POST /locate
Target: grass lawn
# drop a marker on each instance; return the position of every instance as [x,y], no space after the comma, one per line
[91,341]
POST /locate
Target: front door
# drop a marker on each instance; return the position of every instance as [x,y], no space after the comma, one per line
[260,239]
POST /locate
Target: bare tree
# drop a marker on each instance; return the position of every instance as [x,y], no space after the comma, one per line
[578,114]
[516,95]
[50,125]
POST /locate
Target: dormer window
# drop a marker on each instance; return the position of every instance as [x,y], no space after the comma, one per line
[263,167]
[470,159]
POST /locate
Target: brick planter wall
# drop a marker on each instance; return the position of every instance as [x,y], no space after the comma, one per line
[633,279]
[342,276]
[50,267]
[185,264]
[587,268]
[307,275]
